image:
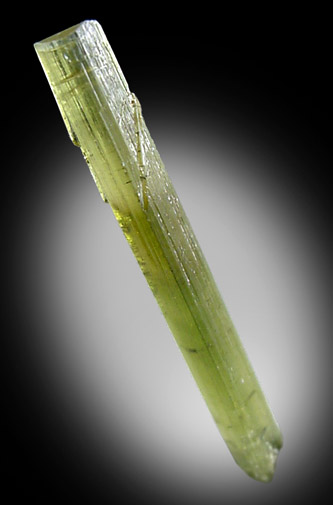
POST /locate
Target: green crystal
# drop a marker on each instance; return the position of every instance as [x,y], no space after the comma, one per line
[104,119]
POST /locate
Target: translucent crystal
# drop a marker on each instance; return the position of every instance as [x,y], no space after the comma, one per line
[104,119]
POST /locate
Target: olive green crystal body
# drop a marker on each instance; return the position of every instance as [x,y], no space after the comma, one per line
[104,119]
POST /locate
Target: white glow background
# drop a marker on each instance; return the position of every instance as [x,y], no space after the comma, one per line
[101,349]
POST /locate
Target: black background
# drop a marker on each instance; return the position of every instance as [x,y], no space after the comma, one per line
[272,68]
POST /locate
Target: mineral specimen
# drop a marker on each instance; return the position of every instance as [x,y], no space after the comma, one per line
[104,119]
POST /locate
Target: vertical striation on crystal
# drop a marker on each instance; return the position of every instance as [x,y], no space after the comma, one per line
[104,119]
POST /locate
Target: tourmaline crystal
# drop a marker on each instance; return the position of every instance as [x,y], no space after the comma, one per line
[104,119]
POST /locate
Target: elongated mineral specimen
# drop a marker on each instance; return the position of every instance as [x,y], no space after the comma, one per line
[104,119]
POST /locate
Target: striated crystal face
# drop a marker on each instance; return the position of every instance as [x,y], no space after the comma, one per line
[105,120]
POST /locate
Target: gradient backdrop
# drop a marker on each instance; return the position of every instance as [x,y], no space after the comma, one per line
[101,405]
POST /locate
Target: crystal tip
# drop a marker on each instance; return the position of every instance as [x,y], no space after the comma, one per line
[258,457]
[60,38]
